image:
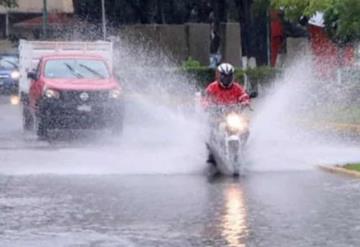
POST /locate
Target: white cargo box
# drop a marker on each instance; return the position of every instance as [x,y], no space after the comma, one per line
[30,53]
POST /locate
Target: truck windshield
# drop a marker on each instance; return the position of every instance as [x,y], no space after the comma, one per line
[8,62]
[76,68]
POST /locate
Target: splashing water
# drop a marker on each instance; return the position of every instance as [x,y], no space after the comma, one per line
[280,139]
[163,135]
[160,117]
[161,132]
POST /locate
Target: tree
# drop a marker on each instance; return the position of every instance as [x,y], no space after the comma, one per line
[341,17]
[135,11]
[8,3]
[295,9]
[260,12]
[245,19]
[342,21]
[142,9]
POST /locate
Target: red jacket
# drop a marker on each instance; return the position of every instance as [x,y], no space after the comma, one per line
[215,94]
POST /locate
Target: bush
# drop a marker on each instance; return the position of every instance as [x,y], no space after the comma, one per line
[191,63]
[261,75]
[204,75]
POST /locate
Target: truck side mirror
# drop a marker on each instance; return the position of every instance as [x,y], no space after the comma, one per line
[253,94]
[32,75]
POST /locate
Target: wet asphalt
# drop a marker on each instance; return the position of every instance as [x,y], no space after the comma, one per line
[308,208]
[44,207]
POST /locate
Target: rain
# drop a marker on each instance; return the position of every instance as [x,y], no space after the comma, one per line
[179,123]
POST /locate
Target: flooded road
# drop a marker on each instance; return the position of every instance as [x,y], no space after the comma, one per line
[114,195]
[270,209]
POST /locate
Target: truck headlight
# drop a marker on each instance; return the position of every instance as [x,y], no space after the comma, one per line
[15,75]
[235,122]
[115,94]
[14,99]
[50,93]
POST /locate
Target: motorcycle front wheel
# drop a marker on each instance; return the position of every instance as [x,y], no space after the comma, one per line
[234,156]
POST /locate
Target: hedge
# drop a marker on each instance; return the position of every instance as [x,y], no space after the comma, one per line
[203,75]
[260,75]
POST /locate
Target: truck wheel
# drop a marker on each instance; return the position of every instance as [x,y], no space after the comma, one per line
[28,122]
[117,125]
[117,128]
[42,129]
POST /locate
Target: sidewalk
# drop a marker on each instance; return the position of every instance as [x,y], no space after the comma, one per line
[337,169]
[340,128]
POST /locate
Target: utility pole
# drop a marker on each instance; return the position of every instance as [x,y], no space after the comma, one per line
[45,19]
[103,19]
[7,24]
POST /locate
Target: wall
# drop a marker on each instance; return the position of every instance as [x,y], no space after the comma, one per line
[189,40]
[199,42]
[232,43]
[36,6]
[176,41]
[6,46]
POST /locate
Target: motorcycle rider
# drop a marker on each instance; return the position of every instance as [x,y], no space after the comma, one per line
[224,90]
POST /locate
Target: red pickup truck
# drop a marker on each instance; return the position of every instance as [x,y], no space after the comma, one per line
[72,92]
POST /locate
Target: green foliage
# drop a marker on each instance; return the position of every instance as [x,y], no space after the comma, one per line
[354,167]
[294,9]
[261,74]
[342,20]
[8,3]
[191,63]
[260,7]
[342,17]
[204,75]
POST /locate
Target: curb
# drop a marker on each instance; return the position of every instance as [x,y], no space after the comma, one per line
[332,126]
[353,128]
[339,170]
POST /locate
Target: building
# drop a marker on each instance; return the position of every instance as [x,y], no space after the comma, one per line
[32,10]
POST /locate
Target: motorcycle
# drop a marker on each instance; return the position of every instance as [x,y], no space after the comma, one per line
[228,137]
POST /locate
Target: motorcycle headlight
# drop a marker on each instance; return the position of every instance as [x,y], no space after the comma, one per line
[15,75]
[115,94]
[50,93]
[235,122]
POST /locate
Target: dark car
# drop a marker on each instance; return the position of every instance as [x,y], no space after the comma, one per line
[9,73]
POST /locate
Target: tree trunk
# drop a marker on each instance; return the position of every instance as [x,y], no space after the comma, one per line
[244,9]
[141,9]
[222,11]
[159,12]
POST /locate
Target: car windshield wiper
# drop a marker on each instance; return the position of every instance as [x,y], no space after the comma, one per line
[10,62]
[91,70]
[73,71]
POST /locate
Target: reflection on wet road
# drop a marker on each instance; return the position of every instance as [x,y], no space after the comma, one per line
[266,209]
[234,219]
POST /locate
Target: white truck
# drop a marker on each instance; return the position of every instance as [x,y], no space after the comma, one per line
[30,53]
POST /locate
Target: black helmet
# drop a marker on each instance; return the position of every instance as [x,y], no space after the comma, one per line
[226,74]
